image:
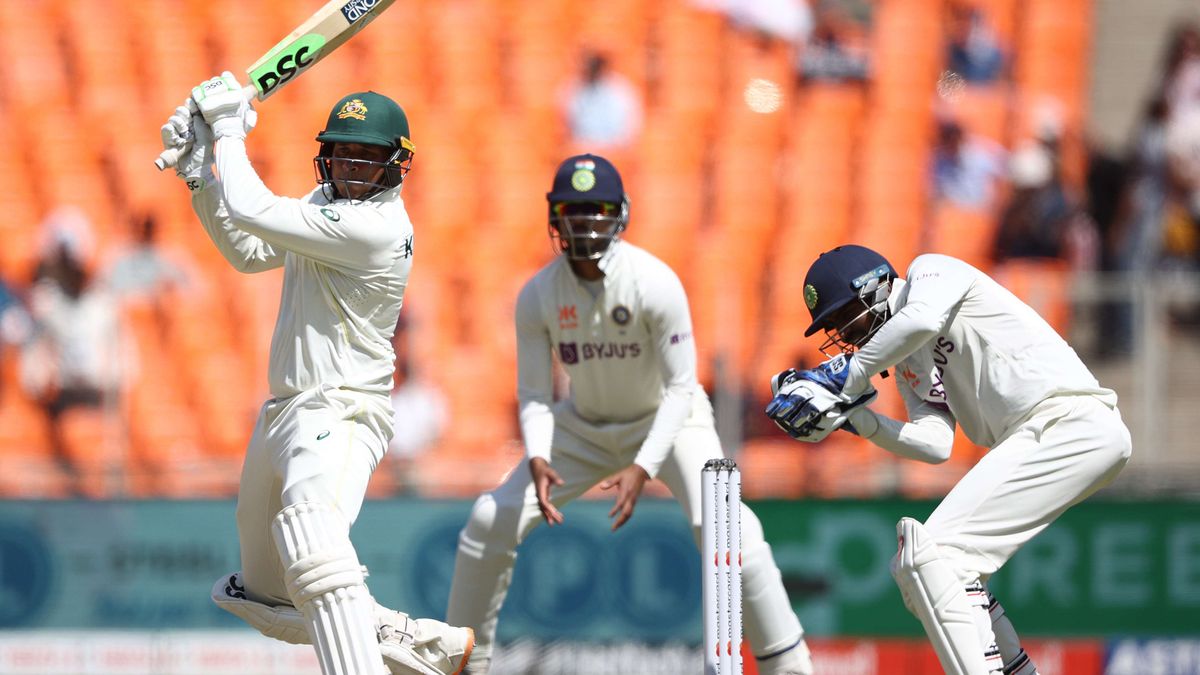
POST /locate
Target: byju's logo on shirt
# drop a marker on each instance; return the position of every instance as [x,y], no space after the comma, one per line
[571,353]
[941,359]
[567,317]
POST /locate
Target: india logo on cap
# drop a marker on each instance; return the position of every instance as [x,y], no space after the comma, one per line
[810,296]
[583,179]
[353,108]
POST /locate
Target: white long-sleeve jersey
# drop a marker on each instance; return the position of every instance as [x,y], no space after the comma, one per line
[346,266]
[629,351]
[965,349]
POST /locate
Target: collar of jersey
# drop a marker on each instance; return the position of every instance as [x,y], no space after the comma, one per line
[899,289]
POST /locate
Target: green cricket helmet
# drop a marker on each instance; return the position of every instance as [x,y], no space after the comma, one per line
[368,118]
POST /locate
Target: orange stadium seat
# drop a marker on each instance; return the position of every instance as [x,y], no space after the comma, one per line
[965,234]
[93,444]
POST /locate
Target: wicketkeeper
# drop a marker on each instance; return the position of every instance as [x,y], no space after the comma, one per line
[966,352]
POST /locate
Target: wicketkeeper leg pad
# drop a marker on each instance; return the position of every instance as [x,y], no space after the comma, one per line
[326,583]
[935,595]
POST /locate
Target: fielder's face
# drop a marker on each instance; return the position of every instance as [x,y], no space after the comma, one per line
[357,169]
[586,229]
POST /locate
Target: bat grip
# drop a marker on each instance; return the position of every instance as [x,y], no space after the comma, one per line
[170,156]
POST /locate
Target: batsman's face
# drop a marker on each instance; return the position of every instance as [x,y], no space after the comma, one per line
[357,169]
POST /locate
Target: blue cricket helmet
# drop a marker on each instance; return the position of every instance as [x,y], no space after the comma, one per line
[840,276]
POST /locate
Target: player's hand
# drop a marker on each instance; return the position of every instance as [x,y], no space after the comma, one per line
[187,133]
[629,483]
[831,374]
[544,476]
[224,106]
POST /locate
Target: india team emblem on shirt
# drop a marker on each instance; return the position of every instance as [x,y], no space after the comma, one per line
[621,315]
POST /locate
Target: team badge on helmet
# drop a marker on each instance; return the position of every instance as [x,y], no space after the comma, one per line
[353,108]
[583,179]
[810,295]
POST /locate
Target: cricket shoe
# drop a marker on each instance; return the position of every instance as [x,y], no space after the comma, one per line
[422,646]
[795,660]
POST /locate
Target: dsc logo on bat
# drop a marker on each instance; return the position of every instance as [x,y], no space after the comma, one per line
[286,63]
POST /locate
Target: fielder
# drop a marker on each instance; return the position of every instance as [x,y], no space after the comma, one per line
[967,352]
[346,250]
[617,320]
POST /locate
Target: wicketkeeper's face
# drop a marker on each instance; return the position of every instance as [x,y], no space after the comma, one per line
[849,327]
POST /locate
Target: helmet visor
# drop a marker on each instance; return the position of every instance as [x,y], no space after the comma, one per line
[585,230]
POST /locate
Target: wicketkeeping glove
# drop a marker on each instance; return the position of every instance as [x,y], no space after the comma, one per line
[807,411]
[831,374]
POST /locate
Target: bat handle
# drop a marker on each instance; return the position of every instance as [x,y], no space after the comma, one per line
[170,156]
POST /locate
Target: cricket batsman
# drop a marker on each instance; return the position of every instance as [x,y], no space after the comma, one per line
[965,352]
[616,318]
[346,250]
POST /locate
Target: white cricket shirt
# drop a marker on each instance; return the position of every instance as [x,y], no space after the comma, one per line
[346,266]
[960,340]
[628,350]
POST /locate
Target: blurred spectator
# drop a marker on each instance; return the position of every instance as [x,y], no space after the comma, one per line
[787,20]
[142,269]
[973,50]
[835,52]
[421,413]
[1181,71]
[1040,219]
[73,356]
[965,168]
[603,109]
[15,324]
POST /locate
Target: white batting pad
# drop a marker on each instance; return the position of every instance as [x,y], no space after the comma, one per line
[281,623]
[933,592]
[325,581]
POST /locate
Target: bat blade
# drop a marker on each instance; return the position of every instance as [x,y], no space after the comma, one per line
[323,32]
[320,34]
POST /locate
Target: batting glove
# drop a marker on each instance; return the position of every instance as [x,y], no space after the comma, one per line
[224,106]
[187,132]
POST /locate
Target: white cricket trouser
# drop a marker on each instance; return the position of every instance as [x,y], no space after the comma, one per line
[1065,450]
[318,446]
[583,454]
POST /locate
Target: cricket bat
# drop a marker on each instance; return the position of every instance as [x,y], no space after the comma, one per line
[326,30]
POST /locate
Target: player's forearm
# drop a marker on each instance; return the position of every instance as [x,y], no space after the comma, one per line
[537,429]
[928,440]
[672,413]
[245,252]
[902,335]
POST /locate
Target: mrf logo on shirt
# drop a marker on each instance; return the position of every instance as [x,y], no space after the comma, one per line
[568,318]
[571,353]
